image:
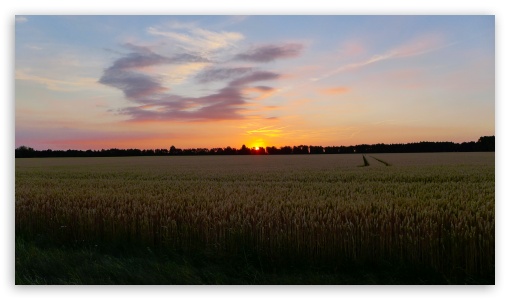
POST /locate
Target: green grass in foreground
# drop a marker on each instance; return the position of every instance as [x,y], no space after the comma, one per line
[39,263]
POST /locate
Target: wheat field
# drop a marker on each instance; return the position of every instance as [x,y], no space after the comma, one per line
[434,211]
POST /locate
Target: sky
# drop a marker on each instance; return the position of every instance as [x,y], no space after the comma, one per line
[99,82]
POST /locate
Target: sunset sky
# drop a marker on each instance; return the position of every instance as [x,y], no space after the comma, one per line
[93,82]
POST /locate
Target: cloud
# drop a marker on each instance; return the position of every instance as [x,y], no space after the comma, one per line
[143,57]
[219,74]
[261,92]
[262,88]
[270,131]
[225,104]
[134,85]
[143,76]
[254,77]
[353,66]
[125,73]
[21,19]
[178,74]
[270,52]
[195,38]
[129,74]
[138,60]
[122,74]
[53,84]
[419,46]
[235,20]
[335,91]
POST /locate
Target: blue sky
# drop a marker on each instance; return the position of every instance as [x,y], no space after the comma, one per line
[92,82]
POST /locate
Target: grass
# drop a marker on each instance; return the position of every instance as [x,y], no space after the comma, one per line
[381,161]
[269,219]
[53,265]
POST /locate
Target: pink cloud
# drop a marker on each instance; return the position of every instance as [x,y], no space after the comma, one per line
[155,103]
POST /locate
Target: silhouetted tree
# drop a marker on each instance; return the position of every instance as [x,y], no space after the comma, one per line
[229,151]
[244,150]
[486,143]
[24,151]
[286,150]
[172,150]
[316,150]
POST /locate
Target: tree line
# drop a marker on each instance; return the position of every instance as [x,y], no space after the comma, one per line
[484,144]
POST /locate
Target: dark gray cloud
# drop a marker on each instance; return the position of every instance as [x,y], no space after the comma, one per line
[187,58]
[222,105]
[263,88]
[138,60]
[270,52]
[124,76]
[254,77]
[154,102]
[134,85]
[218,74]
[135,60]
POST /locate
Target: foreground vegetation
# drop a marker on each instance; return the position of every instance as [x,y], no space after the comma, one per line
[417,218]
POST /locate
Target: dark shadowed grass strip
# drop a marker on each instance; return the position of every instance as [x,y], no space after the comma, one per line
[57,265]
[380,160]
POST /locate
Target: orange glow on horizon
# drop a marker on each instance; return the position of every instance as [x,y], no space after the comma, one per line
[256,144]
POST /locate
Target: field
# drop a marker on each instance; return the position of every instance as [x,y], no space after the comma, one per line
[296,219]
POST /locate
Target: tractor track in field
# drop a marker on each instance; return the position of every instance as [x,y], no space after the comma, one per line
[380,160]
[365,162]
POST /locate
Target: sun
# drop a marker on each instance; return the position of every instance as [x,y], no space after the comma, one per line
[257,148]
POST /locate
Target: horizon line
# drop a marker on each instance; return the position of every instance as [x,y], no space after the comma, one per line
[244,144]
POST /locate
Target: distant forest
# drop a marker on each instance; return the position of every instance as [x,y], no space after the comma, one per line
[484,144]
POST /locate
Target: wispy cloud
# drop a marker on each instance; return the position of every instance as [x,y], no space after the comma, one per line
[21,19]
[353,66]
[53,84]
[422,45]
[270,131]
[235,20]
[197,39]
[270,53]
